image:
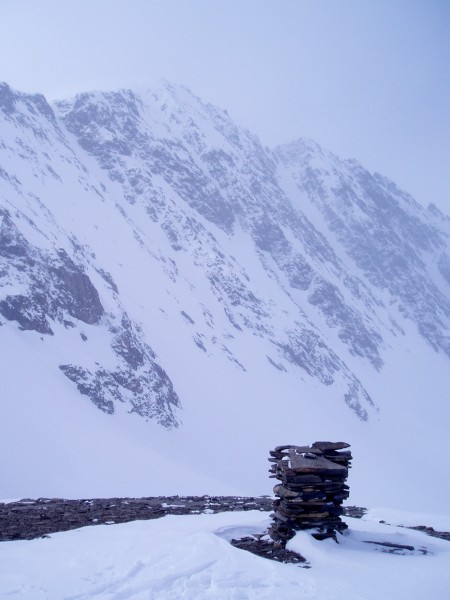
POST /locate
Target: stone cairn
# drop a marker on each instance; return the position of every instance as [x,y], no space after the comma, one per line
[311,491]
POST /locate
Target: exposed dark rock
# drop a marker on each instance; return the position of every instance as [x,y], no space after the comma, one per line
[12,243]
[121,115]
[75,290]
[97,386]
[109,280]
[28,519]
[352,329]
[392,548]
[28,312]
[356,512]
[7,99]
[56,285]
[268,549]
[148,390]
[442,535]
[305,348]
[128,345]
[187,317]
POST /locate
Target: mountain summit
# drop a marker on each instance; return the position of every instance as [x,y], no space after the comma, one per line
[160,265]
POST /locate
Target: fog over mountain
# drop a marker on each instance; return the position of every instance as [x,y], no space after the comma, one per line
[176,299]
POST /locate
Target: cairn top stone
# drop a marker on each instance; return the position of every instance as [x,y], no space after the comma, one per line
[308,462]
[330,445]
[285,449]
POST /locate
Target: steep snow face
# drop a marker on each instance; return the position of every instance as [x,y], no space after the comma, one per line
[167,144]
[181,172]
[162,263]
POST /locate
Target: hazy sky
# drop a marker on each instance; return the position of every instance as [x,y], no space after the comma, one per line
[368,79]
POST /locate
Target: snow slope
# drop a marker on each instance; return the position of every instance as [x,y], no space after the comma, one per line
[190,557]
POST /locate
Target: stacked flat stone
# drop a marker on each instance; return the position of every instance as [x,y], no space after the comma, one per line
[311,491]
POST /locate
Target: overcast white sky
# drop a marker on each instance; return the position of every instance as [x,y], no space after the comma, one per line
[368,79]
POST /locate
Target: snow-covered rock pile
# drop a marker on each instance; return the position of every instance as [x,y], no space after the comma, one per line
[312,489]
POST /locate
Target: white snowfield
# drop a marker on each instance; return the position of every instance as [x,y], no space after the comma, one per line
[189,557]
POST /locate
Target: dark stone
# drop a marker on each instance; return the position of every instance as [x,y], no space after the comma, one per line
[323,446]
[268,549]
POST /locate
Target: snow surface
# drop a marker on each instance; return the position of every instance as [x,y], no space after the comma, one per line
[189,557]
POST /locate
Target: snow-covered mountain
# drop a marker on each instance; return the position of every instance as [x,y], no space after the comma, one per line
[160,265]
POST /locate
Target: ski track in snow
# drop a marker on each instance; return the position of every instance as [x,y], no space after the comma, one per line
[189,557]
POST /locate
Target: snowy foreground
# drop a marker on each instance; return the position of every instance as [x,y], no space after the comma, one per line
[189,557]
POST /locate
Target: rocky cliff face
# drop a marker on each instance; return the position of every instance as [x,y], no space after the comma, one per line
[127,219]
[393,242]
